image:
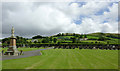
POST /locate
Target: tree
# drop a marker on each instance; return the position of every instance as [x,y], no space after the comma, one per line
[102,34]
[55,39]
[73,34]
[85,36]
[67,34]
[5,40]
[101,38]
[35,41]
[81,36]
[76,35]
[4,44]
[37,37]
[59,34]
[62,34]
[95,41]
[29,44]
[45,40]
[17,37]
[51,39]
[73,40]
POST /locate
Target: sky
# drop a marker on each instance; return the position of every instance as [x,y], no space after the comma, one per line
[49,18]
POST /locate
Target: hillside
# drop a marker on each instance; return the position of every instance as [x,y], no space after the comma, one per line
[91,38]
[67,38]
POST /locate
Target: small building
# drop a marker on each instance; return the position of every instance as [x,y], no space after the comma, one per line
[83,39]
[34,40]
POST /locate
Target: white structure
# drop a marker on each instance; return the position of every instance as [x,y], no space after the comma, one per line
[83,39]
[34,40]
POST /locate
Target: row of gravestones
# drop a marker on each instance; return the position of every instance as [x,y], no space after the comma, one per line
[112,47]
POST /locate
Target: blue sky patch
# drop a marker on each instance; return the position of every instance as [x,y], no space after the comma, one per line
[102,11]
[79,3]
[105,21]
[79,21]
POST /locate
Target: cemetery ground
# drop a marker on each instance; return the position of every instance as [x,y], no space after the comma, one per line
[23,48]
[66,59]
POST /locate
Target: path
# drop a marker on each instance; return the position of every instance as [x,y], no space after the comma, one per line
[26,54]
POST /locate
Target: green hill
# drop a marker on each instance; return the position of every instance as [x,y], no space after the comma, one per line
[91,38]
[103,38]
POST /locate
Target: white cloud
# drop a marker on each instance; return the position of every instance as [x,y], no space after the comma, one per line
[51,18]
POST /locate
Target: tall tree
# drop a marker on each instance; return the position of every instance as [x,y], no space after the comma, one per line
[37,37]
[73,40]
[55,40]
[50,39]
[62,34]
[45,40]
[81,36]
[85,36]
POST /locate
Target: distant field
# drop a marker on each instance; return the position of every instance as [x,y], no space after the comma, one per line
[67,59]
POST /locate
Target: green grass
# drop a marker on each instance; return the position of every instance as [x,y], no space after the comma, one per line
[67,59]
[28,49]
[92,37]
[29,40]
[89,41]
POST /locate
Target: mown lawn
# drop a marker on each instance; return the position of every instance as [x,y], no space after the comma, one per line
[67,59]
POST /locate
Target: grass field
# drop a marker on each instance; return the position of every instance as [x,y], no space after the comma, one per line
[66,59]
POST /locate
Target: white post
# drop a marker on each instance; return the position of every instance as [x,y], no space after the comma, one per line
[8,54]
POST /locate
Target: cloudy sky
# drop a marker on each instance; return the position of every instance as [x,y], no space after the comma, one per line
[48,18]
